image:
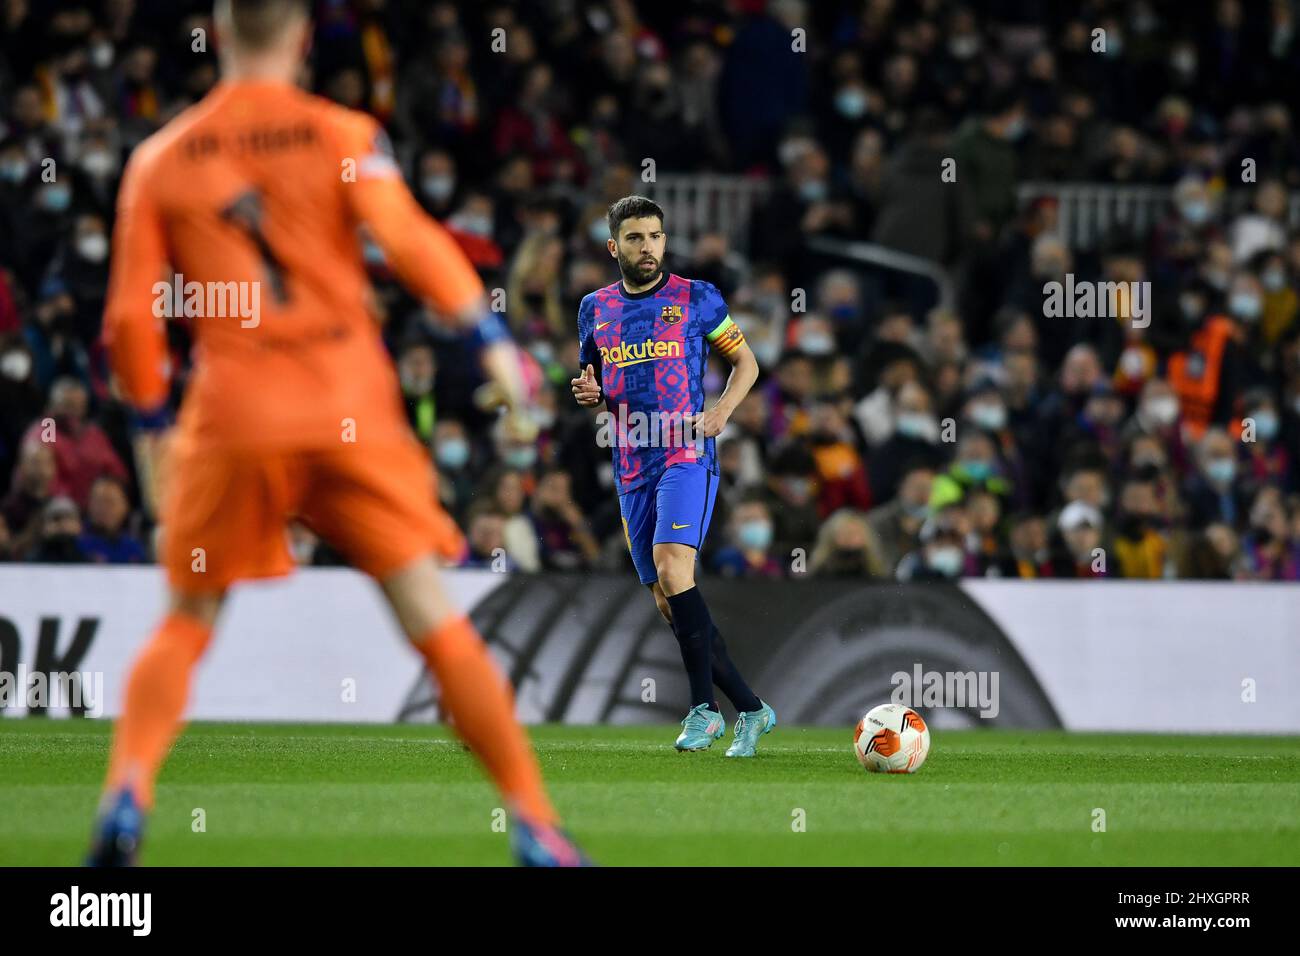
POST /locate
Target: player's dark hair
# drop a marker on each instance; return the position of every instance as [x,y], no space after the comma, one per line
[632,207]
[257,24]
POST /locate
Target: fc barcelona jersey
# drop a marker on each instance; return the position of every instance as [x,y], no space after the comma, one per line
[650,349]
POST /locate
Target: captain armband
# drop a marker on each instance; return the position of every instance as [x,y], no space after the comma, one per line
[727,337]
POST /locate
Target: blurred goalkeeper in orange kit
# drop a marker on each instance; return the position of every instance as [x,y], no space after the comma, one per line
[293,410]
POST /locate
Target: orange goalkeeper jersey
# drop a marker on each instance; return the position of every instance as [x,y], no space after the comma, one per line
[244,214]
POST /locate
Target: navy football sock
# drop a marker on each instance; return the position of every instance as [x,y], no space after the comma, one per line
[693,627]
[727,676]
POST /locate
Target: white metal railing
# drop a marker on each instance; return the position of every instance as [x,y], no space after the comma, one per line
[695,204]
[1087,212]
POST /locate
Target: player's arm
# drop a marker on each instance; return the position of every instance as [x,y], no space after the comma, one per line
[729,342]
[586,387]
[424,256]
[134,334]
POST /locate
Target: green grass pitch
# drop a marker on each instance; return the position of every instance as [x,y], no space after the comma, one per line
[274,794]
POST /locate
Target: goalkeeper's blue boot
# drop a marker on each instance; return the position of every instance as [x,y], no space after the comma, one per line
[750,725]
[118,831]
[700,728]
[537,844]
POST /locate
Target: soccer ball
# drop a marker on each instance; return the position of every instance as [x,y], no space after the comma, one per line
[891,738]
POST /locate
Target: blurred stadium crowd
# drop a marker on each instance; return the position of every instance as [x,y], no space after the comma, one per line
[890,436]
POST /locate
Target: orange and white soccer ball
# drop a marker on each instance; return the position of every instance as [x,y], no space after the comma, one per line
[891,738]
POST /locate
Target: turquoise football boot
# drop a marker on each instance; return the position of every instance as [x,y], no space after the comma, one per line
[700,728]
[750,725]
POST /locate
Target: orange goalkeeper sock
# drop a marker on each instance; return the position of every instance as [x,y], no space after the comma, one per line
[156,693]
[480,705]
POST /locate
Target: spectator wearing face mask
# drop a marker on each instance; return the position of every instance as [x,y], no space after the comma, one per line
[986,410]
[976,466]
[813,336]
[942,555]
[749,552]
[896,525]
[59,528]
[451,454]
[472,226]
[46,226]
[804,205]
[21,398]
[15,173]
[884,367]
[1246,305]
[71,300]
[105,539]
[1212,493]
[437,184]
[1157,415]
[97,172]
[1181,237]
[1280,301]
[417,368]
[1265,460]
[915,438]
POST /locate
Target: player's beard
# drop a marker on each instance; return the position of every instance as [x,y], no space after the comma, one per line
[637,274]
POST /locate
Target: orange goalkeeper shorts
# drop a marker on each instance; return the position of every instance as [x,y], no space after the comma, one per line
[225,511]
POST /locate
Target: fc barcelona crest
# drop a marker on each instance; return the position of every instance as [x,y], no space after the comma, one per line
[672,314]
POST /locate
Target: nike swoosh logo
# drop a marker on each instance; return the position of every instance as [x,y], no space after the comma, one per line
[679,527]
[601,325]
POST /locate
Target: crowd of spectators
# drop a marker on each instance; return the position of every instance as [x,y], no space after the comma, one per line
[890,436]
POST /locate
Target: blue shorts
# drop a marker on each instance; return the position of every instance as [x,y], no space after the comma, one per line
[675,508]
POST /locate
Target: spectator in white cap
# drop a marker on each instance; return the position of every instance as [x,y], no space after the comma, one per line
[1081,526]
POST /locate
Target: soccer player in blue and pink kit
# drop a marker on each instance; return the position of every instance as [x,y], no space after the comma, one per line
[645,341]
